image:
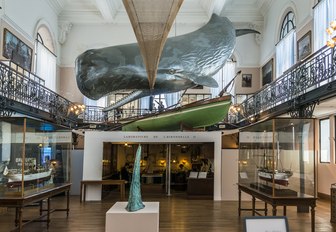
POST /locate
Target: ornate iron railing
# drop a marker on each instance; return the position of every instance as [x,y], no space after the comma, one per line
[94,114]
[23,71]
[23,94]
[19,90]
[315,71]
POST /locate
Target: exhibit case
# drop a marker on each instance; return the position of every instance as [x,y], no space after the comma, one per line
[34,156]
[276,157]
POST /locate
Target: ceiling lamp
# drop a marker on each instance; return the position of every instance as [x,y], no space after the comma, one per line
[151,22]
[330,30]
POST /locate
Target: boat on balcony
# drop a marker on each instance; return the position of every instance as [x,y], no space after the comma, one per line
[195,115]
[32,177]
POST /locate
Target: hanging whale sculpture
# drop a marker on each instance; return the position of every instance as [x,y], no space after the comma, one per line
[186,61]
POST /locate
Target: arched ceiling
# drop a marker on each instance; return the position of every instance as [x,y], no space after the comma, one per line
[192,11]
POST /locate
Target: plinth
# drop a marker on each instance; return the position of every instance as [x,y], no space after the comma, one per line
[118,219]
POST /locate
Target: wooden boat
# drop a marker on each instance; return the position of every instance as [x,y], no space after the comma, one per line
[194,115]
[15,178]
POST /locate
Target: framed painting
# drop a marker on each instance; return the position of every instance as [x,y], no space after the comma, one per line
[304,46]
[16,50]
[246,80]
[267,72]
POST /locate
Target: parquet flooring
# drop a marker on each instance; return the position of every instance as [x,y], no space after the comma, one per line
[177,213]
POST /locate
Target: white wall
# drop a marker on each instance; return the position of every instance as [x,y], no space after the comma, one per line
[247,51]
[229,167]
[24,16]
[273,20]
[230,174]
[93,152]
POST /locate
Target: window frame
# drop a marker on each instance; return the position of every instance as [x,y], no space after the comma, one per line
[288,20]
[328,137]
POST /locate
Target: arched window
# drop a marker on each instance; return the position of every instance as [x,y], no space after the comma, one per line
[45,59]
[288,24]
[286,47]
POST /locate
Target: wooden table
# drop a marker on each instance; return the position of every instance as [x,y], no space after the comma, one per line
[299,200]
[19,202]
[84,183]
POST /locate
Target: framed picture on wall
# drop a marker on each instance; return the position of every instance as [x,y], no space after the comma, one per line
[267,72]
[246,80]
[304,47]
[16,50]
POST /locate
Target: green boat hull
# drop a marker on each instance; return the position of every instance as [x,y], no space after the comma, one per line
[196,116]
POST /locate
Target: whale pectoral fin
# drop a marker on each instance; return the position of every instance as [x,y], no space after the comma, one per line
[204,80]
[240,32]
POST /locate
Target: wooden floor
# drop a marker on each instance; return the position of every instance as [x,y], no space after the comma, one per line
[177,213]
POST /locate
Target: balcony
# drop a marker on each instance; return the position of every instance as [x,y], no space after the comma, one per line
[296,92]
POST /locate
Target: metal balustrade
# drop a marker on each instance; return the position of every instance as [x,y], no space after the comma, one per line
[94,114]
[25,93]
[314,72]
[21,93]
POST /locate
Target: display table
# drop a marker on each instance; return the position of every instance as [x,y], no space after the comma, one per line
[118,219]
[290,200]
[84,183]
[19,202]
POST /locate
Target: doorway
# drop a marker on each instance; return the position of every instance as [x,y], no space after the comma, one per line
[185,169]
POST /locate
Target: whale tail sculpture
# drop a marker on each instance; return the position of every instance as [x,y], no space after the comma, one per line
[134,199]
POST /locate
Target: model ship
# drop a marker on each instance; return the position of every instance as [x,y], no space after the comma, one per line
[35,176]
[279,176]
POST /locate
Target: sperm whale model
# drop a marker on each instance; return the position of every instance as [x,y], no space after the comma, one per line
[186,61]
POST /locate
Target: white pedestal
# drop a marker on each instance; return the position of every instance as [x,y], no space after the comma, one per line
[118,219]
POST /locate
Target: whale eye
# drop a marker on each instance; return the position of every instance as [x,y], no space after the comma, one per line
[172,71]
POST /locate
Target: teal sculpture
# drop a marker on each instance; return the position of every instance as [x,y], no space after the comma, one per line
[134,199]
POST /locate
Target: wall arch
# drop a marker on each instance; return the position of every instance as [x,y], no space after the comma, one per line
[43,28]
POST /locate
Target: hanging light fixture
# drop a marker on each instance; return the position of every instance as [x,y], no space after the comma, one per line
[331,31]
[76,108]
[151,22]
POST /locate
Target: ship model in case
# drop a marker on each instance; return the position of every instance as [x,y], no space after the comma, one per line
[279,176]
[29,177]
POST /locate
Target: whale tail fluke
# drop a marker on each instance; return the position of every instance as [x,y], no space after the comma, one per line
[134,199]
[240,32]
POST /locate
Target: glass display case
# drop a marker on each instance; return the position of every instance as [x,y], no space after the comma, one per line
[276,157]
[34,156]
